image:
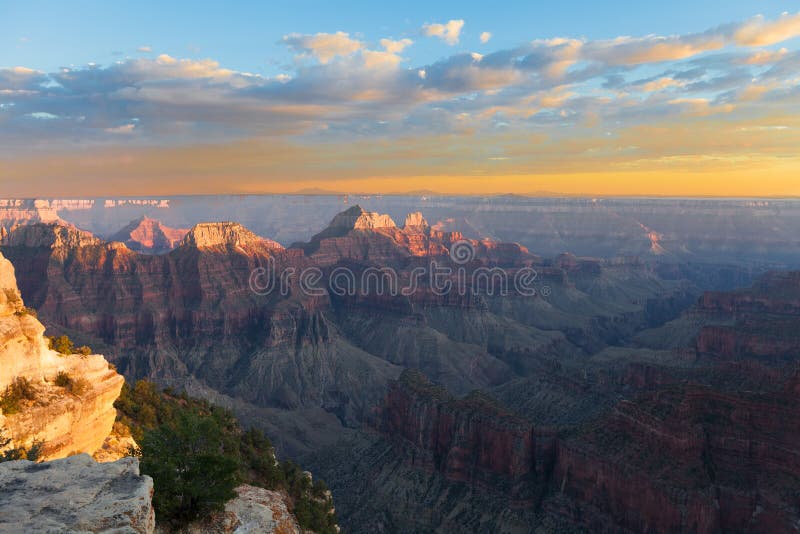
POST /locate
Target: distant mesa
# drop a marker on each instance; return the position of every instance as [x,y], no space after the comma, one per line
[149,235]
[50,235]
[355,218]
[15,212]
[225,234]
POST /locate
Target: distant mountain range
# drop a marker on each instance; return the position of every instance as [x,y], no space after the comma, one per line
[741,231]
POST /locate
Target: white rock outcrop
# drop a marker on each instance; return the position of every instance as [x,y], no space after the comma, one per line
[253,511]
[76,494]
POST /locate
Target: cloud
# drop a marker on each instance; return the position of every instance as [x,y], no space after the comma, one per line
[323,46]
[655,49]
[144,49]
[760,32]
[395,47]
[567,89]
[765,57]
[20,79]
[660,84]
[485,36]
[448,32]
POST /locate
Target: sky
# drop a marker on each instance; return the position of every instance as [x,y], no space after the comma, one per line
[570,97]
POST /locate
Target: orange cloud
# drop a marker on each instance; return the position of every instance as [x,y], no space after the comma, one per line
[761,32]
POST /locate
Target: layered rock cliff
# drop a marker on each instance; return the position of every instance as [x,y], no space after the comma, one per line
[686,459]
[469,440]
[69,405]
[758,322]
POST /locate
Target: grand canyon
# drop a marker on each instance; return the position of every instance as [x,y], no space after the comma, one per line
[400,268]
[642,390]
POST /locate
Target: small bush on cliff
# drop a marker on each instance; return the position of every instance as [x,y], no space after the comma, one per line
[194,466]
[76,386]
[26,311]
[62,344]
[17,391]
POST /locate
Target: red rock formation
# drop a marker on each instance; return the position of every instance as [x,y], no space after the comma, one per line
[359,235]
[149,235]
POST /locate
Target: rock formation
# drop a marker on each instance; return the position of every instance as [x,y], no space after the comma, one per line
[15,212]
[225,234]
[356,234]
[76,494]
[252,510]
[67,421]
[758,322]
[149,235]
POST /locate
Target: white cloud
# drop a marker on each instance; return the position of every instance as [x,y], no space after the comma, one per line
[144,49]
[323,46]
[485,36]
[448,32]
[395,47]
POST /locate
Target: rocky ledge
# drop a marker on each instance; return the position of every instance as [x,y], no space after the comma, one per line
[75,494]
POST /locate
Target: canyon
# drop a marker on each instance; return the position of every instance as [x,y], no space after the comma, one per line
[631,393]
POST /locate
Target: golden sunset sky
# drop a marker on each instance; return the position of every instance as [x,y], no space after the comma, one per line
[466,103]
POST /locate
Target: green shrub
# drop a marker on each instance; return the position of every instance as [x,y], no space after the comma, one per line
[17,391]
[62,344]
[84,350]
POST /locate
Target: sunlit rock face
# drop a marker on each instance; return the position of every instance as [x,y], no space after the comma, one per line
[217,234]
[150,236]
[76,494]
[68,421]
